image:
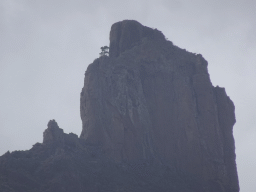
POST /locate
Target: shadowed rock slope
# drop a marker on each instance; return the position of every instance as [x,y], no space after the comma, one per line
[65,163]
[152,121]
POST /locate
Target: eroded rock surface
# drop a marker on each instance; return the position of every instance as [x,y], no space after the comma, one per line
[152,121]
[153,100]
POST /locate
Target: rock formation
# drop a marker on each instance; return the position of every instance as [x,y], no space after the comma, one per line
[65,163]
[55,135]
[153,100]
[152,121]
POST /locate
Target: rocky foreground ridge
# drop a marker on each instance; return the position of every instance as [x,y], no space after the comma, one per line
[152,121]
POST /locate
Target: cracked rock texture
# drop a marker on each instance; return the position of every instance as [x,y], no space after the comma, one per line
[150,100]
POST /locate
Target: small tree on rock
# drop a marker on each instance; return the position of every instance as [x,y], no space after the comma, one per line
[104,51]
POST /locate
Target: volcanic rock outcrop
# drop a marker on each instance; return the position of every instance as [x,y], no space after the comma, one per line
[152,121]
[152,100]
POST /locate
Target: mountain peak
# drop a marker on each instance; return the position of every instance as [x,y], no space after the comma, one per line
[152,100]
[152,121]
[126,34]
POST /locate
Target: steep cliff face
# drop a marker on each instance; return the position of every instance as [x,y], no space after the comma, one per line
[152,121]
[153,100]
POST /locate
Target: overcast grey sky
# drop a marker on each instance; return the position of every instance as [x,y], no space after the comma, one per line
[46,46]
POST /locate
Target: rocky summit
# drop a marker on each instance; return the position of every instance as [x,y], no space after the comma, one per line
[152,121]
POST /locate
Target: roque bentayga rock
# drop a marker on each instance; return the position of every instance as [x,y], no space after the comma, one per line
[150,100]
[152,122]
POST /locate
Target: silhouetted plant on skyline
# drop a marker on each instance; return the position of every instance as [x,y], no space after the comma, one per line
[104,51]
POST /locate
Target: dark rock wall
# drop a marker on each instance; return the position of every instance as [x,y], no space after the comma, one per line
[127,34]
[153,100]
[152,121]
[226,117]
